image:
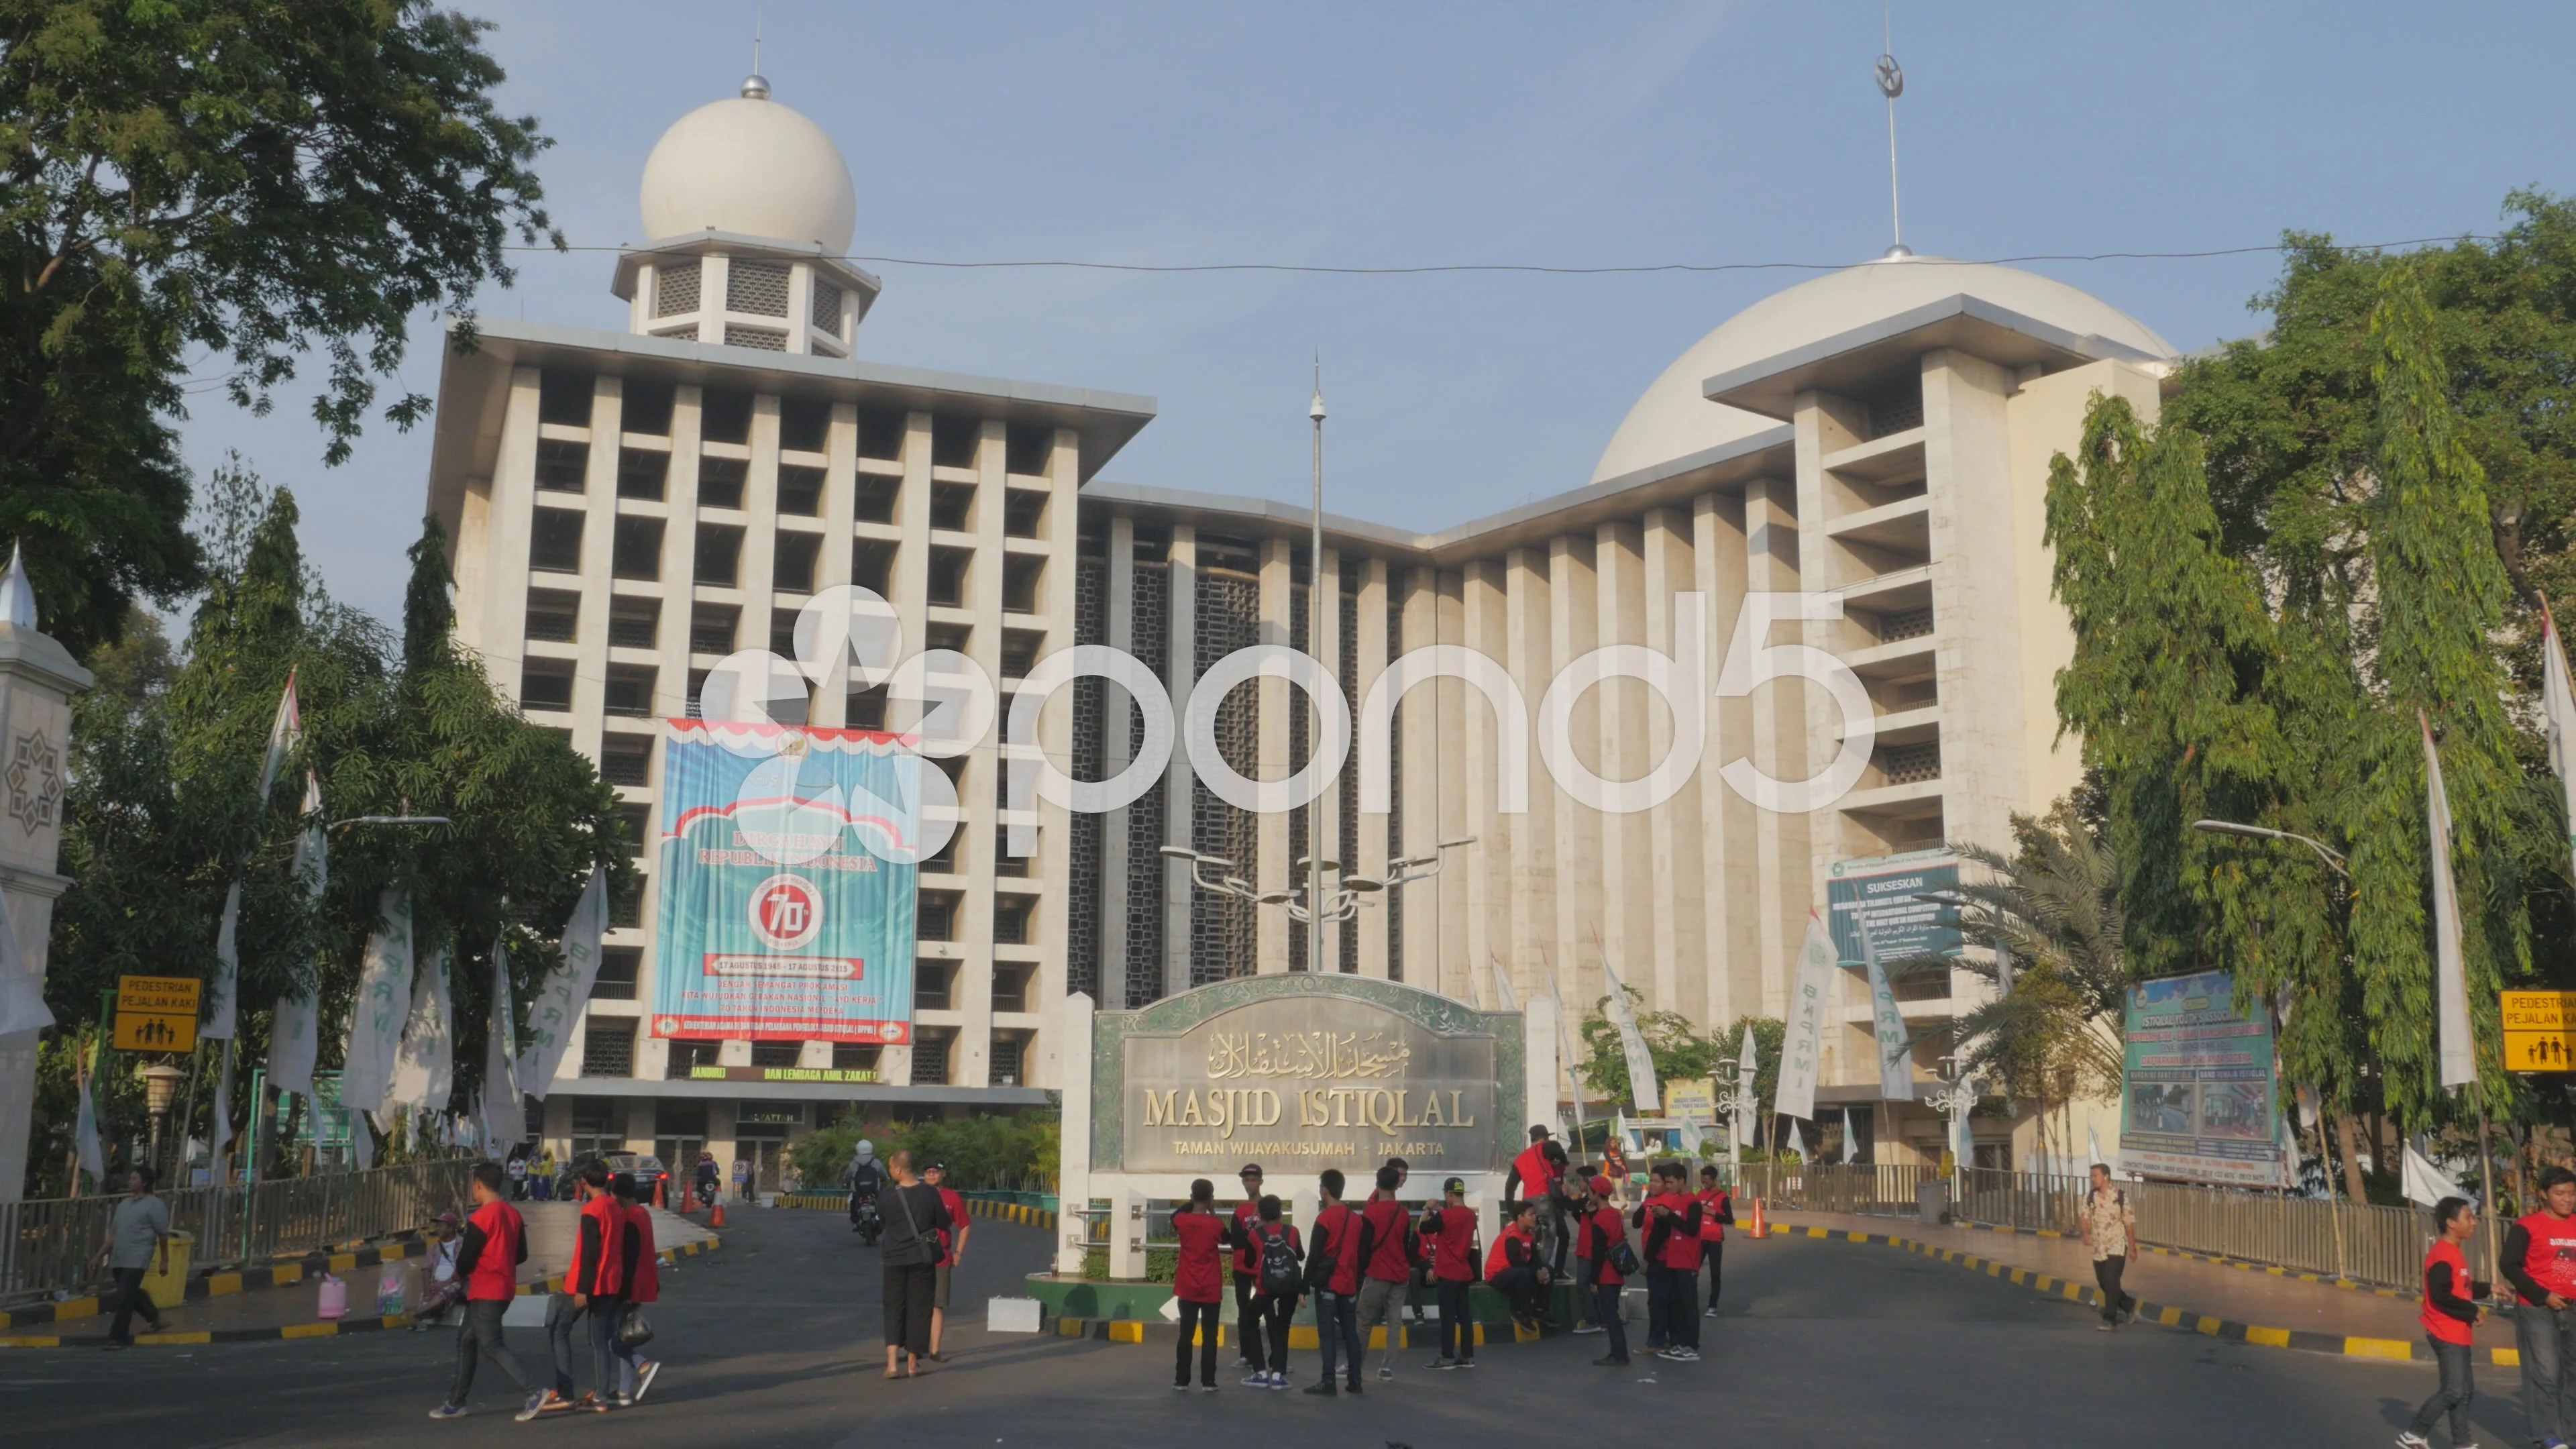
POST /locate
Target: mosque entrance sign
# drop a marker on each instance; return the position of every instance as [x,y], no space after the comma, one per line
[1305,1072]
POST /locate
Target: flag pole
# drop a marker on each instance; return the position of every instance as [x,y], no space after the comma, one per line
[2486,1177]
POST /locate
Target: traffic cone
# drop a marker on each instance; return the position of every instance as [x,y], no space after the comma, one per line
[662,1195]
[1760,1227]
[717,1220]
[688,1197]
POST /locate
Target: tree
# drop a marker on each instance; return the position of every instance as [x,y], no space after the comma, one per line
[246,180]
[1677,1047]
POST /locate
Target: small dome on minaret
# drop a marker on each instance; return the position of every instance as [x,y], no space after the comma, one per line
[752,167]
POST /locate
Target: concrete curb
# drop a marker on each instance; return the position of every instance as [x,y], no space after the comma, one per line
[221,1285]
[1155,1330]
[2323,1280]
[326,1329]
[2305,1340]
[1010,1212]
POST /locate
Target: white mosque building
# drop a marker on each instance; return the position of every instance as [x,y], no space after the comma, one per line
[629,508]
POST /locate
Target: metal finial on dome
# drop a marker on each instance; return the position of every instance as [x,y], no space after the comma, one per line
[755,87]
[17,596]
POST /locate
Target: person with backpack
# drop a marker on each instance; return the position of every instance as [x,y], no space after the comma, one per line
[1386,1258]
[1516,1268]
[1716,1215]
[1605,1241]
[1247,1310]
[487,1263]
[1198,1283]
[2450,1318]
[1670,1217]
[2111,1231]
[1333,1277]
[862,1179]
[1449,1228]
[1279,1278]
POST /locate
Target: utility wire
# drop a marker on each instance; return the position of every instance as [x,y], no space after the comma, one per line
[1702,267]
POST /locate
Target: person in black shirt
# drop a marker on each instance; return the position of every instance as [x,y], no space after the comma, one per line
[913,1217]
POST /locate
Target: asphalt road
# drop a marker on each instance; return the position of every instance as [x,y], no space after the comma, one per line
[774,1340]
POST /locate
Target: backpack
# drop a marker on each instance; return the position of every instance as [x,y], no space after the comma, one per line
[1281,1275]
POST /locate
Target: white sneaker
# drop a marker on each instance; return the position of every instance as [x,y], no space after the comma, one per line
[1588,1328]
[2412,1440]
[1384,1373]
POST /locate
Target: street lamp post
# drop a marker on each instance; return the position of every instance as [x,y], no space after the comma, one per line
[160,1085]
[1955,1099]
[1737,1104]
[1214,874]
[1315,861]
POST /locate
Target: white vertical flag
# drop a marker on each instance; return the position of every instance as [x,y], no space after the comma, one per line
[1503,992]
[93,1159]
[222,1129]
[377,1015]
[1642,1088]
[566,988]
[424,1066]
[1851,1139]
[1895,1043]
[1802,1050]
[223,1014]
[295,1026]
[2558,707]
[1798,1141]
[504,1120]
[2450,974]
[1748,1068]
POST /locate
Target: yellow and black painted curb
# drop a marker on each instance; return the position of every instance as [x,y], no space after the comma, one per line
[223,1285]
[369,1323]
[1155,1330]
[2306,1340]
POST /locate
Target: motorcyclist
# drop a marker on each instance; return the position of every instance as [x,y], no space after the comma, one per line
[710,1177]
[862,1178]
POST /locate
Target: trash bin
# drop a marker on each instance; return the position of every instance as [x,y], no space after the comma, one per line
[171,1288]
[1932,1202]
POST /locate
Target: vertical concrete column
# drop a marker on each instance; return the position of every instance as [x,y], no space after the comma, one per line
[970,1061]
[1976,568]
[37,678]
[1374,852]
[1489,861]
[1117,748]
[1729,915]
[1672,828]
[1450,810]
[1126,1233]
[1326,813]
[1572,603]
[1419,738]
[1621,707]
[1782,878]
[598,504]
[514,485]
[1824,423]
[1274,869]
[831,570]
[1532,912]
[679,558]
[1065,1054]
[909,579]
[1182,612]
[1054,865]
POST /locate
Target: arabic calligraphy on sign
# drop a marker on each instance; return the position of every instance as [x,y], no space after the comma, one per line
[1314,1056]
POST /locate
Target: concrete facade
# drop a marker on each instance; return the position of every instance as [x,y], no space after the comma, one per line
[629,508]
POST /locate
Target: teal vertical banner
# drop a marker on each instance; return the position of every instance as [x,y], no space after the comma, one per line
[787,884]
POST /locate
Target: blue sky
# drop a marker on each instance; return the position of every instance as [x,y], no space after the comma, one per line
[1375,135]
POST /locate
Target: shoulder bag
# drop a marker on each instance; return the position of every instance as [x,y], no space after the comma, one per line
[933,1252]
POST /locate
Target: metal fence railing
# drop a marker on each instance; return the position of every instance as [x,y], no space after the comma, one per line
[2360,1241]
[47,1246]
[1878,1190]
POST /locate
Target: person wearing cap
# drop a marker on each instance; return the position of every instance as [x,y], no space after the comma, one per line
[955,1251]
[1333,1277]
[1514,1267]
[1449,1228]
[1196,1283]
[1602,1227]
[1247,1268]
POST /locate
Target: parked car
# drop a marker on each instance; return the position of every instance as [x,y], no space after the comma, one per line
[647,1173]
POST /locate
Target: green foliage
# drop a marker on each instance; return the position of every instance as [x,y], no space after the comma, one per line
[982,1152]
[2054,908]
[247,180]
[1678,1049]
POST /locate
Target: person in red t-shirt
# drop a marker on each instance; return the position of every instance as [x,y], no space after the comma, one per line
[487,1262]
[1275,1307]
[954,1244]
[592,1286]
[1670,1217]
[1602,1228]
[2450,1317]
[1515,1269]
[2539,1260]
[643,1285]
[1333,1276]
[1386,1264]
[1198,1282]
[1247,1313]
[1716,1213]
[1449,1230]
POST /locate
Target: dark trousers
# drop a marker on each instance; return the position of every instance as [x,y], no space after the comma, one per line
[478,1335]
[1561,1228]
[1680,1304]
[1337,1325]
[1712,1255]
[910,1290]
[2106,1272]
[2458,1387]
[1247,1321]
[1457,1330]
[2547,1340]
[1658,1288]
[1584,1276]
[604,1312]
[1605,1311]
[1528,1296]
[1275,1313]
[1199,1319]
[131,1297]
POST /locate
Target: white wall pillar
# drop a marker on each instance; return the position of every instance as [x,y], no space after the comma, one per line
[37,678]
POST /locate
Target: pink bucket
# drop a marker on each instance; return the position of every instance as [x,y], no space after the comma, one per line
[335,1299]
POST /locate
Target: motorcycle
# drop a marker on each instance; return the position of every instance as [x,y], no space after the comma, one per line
[863,1218]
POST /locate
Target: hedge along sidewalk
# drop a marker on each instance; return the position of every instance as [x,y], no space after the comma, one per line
[976,1207]
[209,1283]
[328,1328]
[2348,1325]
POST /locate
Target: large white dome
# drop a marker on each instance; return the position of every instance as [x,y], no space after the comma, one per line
[754,167]
[1673,420]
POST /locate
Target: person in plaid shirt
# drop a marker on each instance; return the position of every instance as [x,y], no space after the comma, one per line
[2111,1231]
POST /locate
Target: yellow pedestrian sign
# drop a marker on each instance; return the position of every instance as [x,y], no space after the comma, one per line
[156,1013]
[2539,1031]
